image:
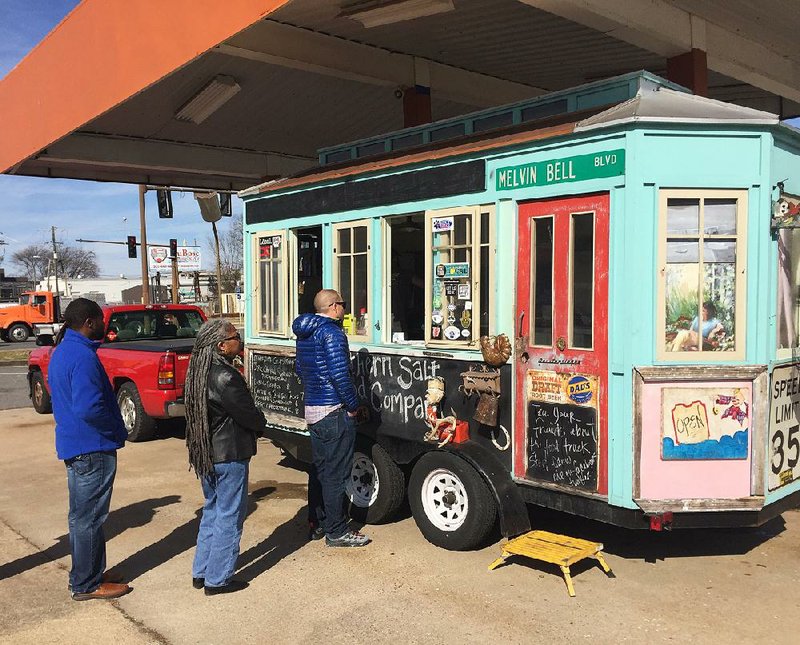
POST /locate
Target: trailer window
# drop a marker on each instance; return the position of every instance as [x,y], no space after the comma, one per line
[542,283]
[459,270]
[581,290]
[270,296]
[405,239]
[788,291]
[701,283]
[351,257]
[309,268]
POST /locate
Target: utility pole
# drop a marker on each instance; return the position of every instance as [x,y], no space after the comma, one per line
[55,256]
[143,233]
[219,270]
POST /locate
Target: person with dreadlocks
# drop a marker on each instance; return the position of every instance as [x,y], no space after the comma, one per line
[331,403]
[89,431]
[222,423]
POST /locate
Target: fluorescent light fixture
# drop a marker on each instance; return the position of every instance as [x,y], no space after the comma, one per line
[374,13]
[213,96]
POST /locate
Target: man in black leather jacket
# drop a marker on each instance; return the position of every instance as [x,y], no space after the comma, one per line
[222,423]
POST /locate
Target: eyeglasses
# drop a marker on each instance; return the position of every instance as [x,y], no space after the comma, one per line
[341,303]
[236,337]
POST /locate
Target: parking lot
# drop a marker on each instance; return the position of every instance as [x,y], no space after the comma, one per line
[704,586]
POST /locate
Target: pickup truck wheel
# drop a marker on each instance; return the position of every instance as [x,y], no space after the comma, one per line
[376,486]
[450,501]
[138,423]
[19,333]
[40,397]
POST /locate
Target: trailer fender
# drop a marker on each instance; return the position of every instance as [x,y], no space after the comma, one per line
[513,511]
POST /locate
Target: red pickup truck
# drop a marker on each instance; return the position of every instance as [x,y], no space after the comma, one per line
[145,352]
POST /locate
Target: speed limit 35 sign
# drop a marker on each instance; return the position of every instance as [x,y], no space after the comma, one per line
[784,426]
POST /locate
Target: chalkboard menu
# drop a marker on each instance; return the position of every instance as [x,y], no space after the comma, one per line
[274,384]
[562,444]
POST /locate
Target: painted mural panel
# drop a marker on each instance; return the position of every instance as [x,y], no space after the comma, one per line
[704,423]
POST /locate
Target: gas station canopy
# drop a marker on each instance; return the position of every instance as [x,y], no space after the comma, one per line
[203,93]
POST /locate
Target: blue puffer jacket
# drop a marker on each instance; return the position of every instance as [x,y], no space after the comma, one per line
[323,361]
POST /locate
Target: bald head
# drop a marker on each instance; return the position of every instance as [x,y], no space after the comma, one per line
[328,303]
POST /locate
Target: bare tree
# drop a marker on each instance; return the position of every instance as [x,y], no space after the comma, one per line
[230,254]
[35,261]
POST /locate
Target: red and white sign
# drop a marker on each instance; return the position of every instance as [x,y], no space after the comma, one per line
[188,258]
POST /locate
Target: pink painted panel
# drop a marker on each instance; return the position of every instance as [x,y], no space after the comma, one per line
[691,479]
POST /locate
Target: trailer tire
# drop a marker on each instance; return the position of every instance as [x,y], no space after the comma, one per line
[138,423]
[18,333]
[376,486]
[450,501]
[40,397]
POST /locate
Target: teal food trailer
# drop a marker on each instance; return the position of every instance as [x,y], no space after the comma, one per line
[586,301]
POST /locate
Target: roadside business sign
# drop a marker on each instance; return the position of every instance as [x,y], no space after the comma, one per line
[610,163]
[188,258]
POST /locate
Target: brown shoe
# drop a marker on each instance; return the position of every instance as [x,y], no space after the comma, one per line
[109,575]
[105,591]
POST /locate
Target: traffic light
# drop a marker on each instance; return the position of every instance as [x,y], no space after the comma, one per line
[173,247]
[131,246]
[225,204]
[164,199]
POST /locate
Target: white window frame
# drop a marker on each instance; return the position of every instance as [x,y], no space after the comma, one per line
[475,273]
[740,314]
[335,228]
[285,262]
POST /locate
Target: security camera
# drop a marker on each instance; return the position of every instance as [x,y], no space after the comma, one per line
[398,93]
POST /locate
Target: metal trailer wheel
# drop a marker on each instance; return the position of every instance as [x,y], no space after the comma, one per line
[18,333]
[40,397]
[376,485]
[450,501]
[138,423]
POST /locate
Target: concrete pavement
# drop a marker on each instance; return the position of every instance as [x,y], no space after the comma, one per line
[707,586]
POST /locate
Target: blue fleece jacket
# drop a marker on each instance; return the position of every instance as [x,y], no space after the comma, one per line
[323,362]
[84,406]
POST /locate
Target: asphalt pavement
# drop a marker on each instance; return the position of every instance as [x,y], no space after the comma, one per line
[28,344]
[704,587]
[13,387]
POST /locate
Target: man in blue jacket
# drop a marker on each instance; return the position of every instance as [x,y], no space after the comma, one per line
[323,364]
[89,430]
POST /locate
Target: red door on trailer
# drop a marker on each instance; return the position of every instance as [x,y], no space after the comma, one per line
[561,428]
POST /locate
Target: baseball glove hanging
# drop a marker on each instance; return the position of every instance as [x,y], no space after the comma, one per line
[495,349]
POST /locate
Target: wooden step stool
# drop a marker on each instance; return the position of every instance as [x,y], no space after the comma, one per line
[555,549]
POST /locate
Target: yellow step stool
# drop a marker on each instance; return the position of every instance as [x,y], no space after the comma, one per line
[555,549]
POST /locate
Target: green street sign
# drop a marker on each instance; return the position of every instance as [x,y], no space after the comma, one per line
[557,171]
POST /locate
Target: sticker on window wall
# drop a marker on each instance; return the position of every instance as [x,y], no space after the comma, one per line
[468,305]
[437,319]
[465,333]
[454,270]
[463,291]
[442,224]
[276,241]
[450,288]
[451,332]
[436,332]
[466,318]
[440,270]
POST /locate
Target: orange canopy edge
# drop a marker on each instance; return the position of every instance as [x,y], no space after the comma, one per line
[101,54]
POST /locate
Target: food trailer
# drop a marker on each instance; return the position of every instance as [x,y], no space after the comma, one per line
[586,301]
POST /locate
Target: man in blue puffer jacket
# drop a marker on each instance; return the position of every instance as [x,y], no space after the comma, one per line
[323,364]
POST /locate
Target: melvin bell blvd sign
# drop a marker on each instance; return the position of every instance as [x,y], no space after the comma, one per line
[557,171]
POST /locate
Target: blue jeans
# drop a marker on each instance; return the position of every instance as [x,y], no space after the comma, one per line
[90,478]
[220,531]
[332,443]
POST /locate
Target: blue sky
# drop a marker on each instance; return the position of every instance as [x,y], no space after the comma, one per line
[32,205]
